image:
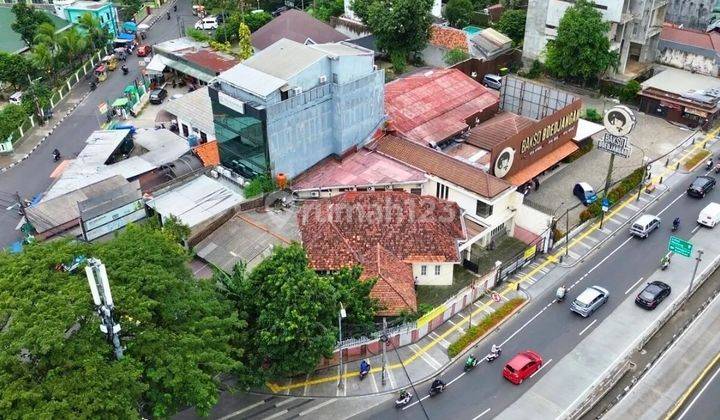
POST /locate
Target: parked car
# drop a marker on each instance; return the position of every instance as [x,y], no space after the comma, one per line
[207,23]
[16,98]
[654,293]
[157,96]
[589,300]
[521,366]
[701,186]
[144,50]
[710,215]
[644,225]
[585,193]
[493,81]
[222,17]
[279,11]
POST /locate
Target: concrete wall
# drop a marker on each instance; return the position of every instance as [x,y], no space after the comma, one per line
[445,278]
[688,61]
[533,220]
[692,14]
[434,56]
[358,110]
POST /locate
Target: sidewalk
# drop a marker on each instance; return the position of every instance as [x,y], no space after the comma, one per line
[664,384]
[419,361]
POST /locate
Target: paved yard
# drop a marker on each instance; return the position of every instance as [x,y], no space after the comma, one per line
[651,136]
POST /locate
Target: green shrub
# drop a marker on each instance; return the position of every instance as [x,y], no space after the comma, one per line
[616,194]
[488,323]
[536,70]
[628,93]
[197,35]
[592,114]
[557,234]
[454,56]
[11,117]
[399,62]
[259,185]
[695,158]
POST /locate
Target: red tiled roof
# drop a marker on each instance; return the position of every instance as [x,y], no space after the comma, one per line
[395,287]
[212,60]
[435,105]
[448,38]
[362,168]
[380,230]
[297,26]
[497,129]
[208,153]
[691,37]
[442,166]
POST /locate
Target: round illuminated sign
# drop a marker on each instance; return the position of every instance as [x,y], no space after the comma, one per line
[619,120]
[504,162]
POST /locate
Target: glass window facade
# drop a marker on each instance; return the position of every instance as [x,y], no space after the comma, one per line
[242,141]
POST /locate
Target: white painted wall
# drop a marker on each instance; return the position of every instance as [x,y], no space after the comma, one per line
[688,61]
[556,10]
[445,278]
[533,220]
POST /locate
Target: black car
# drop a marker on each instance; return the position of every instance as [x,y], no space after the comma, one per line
[701,186]
[157,96]
[221,17]
[654,293]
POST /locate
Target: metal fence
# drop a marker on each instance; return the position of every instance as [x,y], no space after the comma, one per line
[61,92]
[522,258]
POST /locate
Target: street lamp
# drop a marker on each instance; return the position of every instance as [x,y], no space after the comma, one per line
[342,314]
[700,253]
[645,163]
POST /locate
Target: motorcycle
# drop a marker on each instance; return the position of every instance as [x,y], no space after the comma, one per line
[175,8]
[168,15]
[364,372]
[709,164]
[56,155]
[403,401]
[470,363]
[664,263]
[93,86]
[675,226]
[560,294]
[434,390]
[717,168]
[125,70]
[492,356]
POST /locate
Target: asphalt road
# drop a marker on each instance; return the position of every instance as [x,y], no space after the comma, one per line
[704,403]
[550,328]
[32,176]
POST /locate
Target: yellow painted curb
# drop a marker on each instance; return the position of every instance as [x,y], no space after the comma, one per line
[694,385]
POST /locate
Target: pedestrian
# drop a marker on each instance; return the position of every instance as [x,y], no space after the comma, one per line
[416,283]
[537,183]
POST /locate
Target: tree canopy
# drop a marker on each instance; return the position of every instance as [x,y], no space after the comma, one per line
[292,311]
[27,20]
[459,12]
[179,334]
[512,24]
[15,69]
[326,9]
[401,27]
[581,50]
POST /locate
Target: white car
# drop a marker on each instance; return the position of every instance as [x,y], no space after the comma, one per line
[206,23]
[710,215]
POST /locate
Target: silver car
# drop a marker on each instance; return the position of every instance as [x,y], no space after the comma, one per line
[589,300]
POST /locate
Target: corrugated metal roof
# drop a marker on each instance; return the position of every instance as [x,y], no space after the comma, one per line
[252,80]
[194,107]
[284,59]
[680,82]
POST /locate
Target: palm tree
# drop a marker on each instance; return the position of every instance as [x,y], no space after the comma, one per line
[46,35]
[96,33]
[43,58]
[72,44]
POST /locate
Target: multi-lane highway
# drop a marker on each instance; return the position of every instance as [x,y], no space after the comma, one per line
[550,328]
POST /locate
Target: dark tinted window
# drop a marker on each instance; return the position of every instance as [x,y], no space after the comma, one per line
[699,183]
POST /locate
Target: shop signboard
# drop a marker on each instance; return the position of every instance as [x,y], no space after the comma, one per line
[617,145]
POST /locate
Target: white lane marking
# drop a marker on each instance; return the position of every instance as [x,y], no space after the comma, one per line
[458,377]
[634,285]
[390,378]
[307,384]
[416,402]
[462,331]
[374,382]
[671,203]
[524,325]
[712,378]
[695,229]
[621,215]
[317,407]
[632,207]
[586,328]
[443,342]
[541,367]
[287,391]
[276,415]
[481,414]
[285,401]
[610,255]
[242,410]
[426,357]
[584,244]
[590,237]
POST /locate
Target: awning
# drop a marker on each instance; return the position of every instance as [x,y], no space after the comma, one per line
[126,36]
[120,102]
[586,129]
[157,64]
[540,165]
[190,71]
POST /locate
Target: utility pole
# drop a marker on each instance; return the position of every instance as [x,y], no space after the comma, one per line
[102,297]
[697,263]
[567,231]
[383,340]
[608,178]
[341,315]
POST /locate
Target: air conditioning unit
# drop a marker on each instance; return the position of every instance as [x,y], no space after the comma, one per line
[297,90]
[315,194]
[371,189]
[214,174]
[323,79]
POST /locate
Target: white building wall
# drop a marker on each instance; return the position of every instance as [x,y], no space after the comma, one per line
[533,220]
[445,278]
[688,61]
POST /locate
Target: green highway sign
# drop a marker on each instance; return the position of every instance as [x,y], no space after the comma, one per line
[680,246]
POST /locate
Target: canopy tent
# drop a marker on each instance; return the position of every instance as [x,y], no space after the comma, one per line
[130,27]
[129,37]
[157,64]
[143,27]
[120,103]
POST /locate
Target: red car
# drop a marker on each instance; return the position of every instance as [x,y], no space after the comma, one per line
[143,50]
[522,366]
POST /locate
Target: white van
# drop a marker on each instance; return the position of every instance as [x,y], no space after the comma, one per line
[710,215]
[16,98]
[209,22]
